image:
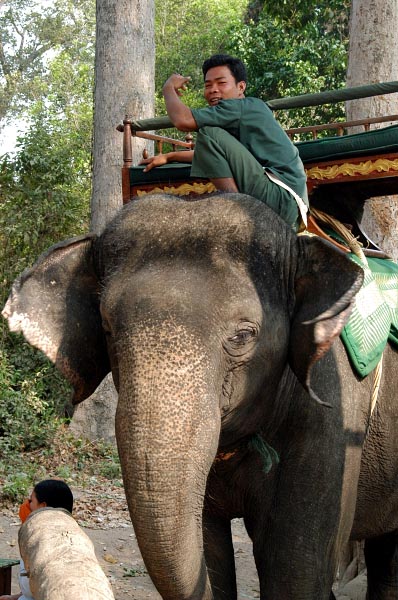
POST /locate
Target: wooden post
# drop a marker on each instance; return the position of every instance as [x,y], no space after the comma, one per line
[5,575]
[127,159]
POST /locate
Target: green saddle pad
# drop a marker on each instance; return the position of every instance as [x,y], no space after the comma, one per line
[374,319]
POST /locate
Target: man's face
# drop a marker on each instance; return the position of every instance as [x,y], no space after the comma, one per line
[221,85]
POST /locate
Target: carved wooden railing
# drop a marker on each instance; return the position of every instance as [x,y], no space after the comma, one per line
[339,127]
[131,127]
[160,140]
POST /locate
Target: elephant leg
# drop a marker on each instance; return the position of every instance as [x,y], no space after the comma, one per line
[219,556]
[381,556]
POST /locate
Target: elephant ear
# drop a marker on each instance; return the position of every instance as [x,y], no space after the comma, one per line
[55,304]
[326,283]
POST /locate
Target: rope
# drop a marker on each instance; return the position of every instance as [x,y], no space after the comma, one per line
[353,243]
[356,248]
[376,384]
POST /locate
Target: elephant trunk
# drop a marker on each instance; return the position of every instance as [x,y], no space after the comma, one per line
[167,427]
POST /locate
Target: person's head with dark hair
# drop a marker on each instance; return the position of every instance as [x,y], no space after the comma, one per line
[235,65]
[225,78]
[54,493]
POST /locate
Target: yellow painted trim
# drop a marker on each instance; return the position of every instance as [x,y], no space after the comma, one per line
[182,190]
[364,168]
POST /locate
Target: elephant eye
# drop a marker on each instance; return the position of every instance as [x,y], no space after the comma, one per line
[243,335]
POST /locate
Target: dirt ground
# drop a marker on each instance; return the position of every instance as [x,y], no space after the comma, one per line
[104,517]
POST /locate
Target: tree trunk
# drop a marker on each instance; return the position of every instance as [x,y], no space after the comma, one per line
[60,558]
[124,84]
[373,58]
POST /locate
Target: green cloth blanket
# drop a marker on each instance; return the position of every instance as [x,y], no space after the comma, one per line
[374,320]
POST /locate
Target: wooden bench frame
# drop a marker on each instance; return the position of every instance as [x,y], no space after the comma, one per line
[349,170]
[371,167]
[6,573]
[160,140]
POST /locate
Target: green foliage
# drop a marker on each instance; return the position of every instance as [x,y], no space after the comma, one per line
[16,486]
[30,32]
[29,408]
[295,49]
[188,32]
[73,457]
[45,186]
[289,49]
[76,461]
[134,572]
[44,197]
[110,466]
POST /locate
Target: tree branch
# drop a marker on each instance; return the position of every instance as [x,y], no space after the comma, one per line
[3,61]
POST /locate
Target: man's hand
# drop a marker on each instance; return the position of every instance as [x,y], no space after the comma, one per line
[177,82]
[183,156]
[151,162]
[180,114]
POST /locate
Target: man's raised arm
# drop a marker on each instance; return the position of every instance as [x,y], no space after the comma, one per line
[179,113]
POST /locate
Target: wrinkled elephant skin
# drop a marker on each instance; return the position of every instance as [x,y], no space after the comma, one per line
[220,324]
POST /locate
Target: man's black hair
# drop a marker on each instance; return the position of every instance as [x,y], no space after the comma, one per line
[54,493]
[235,65]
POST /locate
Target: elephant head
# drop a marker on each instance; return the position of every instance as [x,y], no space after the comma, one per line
[197,308]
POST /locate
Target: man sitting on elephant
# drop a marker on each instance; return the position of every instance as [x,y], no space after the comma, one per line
[238,141]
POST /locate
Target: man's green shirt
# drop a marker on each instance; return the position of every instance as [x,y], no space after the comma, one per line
[251,122]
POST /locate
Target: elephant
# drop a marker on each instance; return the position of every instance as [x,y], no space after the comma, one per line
[221,327]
